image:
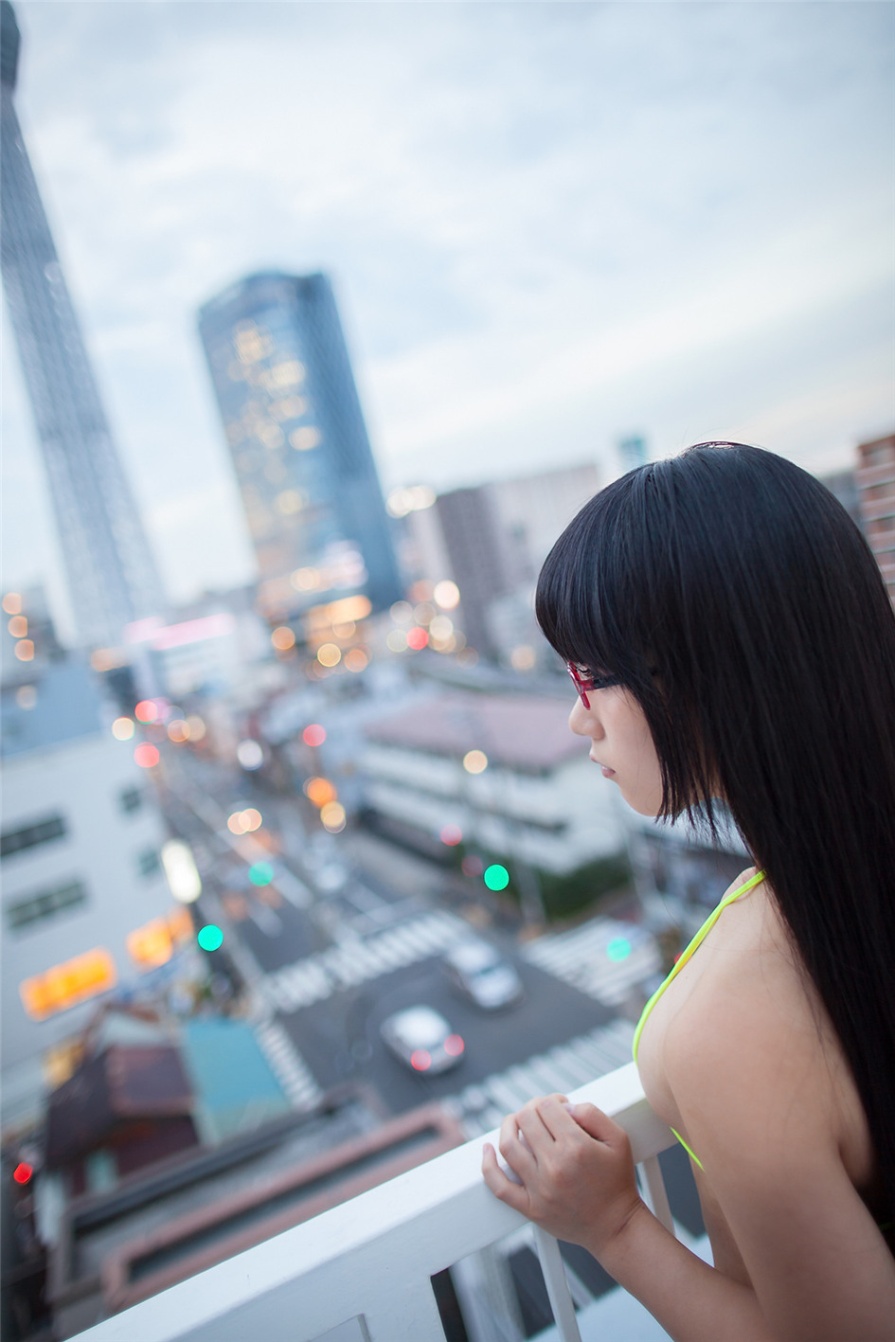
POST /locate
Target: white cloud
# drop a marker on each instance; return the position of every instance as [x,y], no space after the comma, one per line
[547,224]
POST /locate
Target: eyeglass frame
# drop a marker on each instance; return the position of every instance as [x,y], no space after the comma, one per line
[592,682]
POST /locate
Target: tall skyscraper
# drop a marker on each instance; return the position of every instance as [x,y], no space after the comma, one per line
[296,433]
[111,574]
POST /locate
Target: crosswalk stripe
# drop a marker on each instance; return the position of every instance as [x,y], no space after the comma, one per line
[581,957]
[573,1070]
[287,1064]
[314,978]
[483,1105]
[508,1096]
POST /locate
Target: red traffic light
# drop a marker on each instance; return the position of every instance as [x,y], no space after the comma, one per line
[22,1173]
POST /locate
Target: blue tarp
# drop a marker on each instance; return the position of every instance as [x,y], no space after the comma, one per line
[234,1085]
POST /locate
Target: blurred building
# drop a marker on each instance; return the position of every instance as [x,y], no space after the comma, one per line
[114,1247]
[29,640]
[502,773]
[111,573]
[212,647]
[296,433]
[491,540]
[843,485]
[876,489]
[632,451]
[86,909]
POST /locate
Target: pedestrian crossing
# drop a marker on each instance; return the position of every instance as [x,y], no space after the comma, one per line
[483,1105]
[343,966]
[288,1066]
[604,958]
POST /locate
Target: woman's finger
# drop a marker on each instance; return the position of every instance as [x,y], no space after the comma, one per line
[503,1187]
[514,1146]
[597,1124]
[553,1113]
[534,1133]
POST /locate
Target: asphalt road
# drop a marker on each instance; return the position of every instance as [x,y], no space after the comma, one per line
[339,1037]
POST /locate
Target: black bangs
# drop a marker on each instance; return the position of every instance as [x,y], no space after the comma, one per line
[584,601]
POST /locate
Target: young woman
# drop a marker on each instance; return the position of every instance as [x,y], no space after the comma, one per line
[731,638]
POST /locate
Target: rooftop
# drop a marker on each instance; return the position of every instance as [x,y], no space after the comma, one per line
[67,704]
[517,731]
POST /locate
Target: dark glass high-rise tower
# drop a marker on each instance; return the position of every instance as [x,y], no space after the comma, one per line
[296,433]
[111,574]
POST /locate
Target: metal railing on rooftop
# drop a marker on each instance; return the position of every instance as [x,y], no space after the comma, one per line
[371,1260]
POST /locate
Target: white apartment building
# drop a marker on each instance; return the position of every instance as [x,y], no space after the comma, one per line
[85,904]
[539,797]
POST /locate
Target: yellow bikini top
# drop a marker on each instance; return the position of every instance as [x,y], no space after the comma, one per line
[681,961]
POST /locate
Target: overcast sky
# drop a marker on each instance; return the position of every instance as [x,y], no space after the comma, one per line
[549,225]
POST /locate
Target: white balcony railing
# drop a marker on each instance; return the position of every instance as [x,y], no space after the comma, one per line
[371,1259]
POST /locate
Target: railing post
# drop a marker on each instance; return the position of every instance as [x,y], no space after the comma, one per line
[557,1286]
[409,1315]
[657,1196]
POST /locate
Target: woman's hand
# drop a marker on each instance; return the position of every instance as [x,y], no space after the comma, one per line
[574,1169]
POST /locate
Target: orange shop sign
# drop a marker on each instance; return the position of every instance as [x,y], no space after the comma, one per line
[67,984]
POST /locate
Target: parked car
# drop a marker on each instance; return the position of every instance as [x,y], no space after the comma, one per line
[422,1039]
[483,975]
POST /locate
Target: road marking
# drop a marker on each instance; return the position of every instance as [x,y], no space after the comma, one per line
[289,1067]
[581,956]
[484,1104]
[318,976]
[265,919]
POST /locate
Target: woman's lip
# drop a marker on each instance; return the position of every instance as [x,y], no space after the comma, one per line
[607,773]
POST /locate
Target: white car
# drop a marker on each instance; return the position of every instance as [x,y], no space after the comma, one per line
[422,1039]
[483,975]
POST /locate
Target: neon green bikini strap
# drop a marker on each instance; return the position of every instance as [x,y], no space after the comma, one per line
[691,949]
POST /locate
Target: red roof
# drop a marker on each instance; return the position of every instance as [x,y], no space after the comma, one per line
[121,1083]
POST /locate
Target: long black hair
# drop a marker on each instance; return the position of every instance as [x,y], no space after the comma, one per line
[735,598]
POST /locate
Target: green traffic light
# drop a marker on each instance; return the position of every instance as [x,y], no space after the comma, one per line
[210,937]
[261,873]
[496,877]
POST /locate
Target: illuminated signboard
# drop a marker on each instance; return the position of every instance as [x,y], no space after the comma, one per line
[150,945]
[153,944]
[67,984]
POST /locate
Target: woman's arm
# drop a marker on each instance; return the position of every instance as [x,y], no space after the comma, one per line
[577,1181]
[757,1107]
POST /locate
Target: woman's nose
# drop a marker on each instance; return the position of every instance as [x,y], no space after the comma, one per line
[581,720]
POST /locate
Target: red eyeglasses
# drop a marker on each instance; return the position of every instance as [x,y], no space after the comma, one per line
[585,680]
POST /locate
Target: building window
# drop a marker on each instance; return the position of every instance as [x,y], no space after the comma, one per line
[45,904]
[29,836]
[130,799]
[149,862]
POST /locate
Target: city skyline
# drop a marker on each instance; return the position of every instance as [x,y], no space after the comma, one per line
[548,227]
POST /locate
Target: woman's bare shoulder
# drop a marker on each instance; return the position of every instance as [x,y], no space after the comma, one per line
[751,1022]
